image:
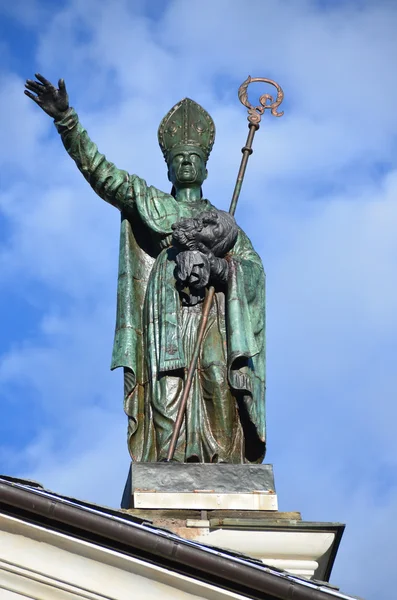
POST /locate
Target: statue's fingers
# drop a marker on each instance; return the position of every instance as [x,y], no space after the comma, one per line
[32,96]
[62,86]
[43,80]
[34,86]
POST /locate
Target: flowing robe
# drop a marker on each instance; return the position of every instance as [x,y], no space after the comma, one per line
[155,333]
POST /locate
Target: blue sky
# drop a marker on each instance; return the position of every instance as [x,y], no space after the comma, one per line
[319,203]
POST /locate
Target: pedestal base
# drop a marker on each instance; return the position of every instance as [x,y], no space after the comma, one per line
[200,486]
[233,507]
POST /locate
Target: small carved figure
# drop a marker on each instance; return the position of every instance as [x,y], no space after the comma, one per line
[204,242]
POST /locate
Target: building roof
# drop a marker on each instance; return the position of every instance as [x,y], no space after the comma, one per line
[131,535]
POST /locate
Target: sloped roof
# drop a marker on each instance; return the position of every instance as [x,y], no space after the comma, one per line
[137,537]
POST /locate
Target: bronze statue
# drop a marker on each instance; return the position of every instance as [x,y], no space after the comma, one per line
[172,248]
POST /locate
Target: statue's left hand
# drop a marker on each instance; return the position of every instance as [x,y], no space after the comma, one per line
[53,101]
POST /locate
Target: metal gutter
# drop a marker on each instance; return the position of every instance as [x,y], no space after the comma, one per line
[202,562]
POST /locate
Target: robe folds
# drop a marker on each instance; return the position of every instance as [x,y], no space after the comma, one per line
[155,333]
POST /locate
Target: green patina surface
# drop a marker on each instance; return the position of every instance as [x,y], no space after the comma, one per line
[155,334]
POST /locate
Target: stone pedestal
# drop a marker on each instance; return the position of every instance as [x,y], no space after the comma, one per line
[233,507]
[200,486]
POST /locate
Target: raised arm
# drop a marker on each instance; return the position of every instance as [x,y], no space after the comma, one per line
[109,182]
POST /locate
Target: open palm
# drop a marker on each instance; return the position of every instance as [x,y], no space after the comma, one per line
[52,100]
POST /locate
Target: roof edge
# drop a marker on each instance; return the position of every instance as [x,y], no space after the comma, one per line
[209,564]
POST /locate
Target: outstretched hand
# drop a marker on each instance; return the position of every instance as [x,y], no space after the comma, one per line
[53,101]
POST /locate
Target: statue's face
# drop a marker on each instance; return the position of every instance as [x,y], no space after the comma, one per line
[186,167]
[210,234]
[192,269]
[199,274]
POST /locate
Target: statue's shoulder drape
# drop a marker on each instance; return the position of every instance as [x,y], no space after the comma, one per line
[245,313]
[145,230]
[155,211]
